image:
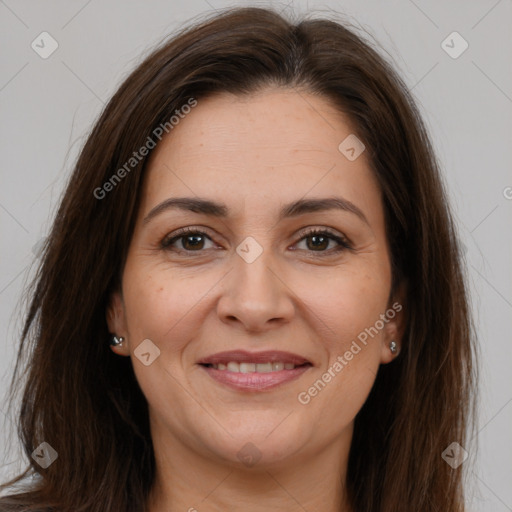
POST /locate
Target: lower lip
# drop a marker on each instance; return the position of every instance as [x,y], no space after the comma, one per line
[255,381]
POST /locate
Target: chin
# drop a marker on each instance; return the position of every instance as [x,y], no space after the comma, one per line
[259,445]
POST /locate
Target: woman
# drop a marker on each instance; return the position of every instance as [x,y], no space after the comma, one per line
[252,293]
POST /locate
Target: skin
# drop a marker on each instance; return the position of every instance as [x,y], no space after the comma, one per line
[255,154]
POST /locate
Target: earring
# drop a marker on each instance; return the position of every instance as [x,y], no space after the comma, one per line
[393,347]
[115,341]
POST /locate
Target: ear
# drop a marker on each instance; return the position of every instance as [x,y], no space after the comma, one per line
[116,321]
[395,325]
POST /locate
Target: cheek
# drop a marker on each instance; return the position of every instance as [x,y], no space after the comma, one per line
[345,304]
[159,307]
[146,300]
[159,302]
[338,391]
[354,345]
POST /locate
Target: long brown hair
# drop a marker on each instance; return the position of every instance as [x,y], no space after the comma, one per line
[85,401]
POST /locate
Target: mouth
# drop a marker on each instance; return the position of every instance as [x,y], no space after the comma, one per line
[257,371]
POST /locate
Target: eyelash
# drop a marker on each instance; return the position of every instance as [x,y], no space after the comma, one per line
[306,233]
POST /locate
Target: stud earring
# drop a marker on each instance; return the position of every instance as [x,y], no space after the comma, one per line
[393,347]
[116,342]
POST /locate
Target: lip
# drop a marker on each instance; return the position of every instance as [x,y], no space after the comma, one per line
[242,356]
[254,381]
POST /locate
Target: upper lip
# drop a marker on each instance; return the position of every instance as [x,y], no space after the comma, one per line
[242,356]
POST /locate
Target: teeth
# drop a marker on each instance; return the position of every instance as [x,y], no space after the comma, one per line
[247,367]
[264,367]
[233,366]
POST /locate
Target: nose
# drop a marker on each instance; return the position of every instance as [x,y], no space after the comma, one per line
[255,295]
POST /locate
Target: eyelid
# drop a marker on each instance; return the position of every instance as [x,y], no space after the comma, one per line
[343,241]
[312,230]
[181,232]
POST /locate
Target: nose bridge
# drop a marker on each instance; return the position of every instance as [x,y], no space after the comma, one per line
[252,268]
[253,293]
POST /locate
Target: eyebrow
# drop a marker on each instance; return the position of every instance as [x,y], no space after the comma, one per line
[294,209]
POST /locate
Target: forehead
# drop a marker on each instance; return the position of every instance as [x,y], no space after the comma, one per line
[277,144]
[274,120]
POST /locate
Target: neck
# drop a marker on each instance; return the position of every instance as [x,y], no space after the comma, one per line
[187,480]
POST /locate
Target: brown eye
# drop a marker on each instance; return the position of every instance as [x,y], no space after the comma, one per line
[194,240]
[319,240]
[188,240]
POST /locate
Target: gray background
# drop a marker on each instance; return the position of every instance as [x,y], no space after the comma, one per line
[48,105]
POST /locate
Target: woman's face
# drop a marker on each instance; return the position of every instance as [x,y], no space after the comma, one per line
[253,340]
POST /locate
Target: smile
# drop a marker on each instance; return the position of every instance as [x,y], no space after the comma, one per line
[269,367]
[260,371]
